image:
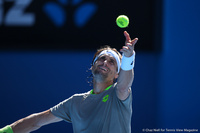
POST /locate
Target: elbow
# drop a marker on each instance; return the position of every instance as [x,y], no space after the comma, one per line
[123,89]
[33,121]
[35,127]
[35,124]
[124,86]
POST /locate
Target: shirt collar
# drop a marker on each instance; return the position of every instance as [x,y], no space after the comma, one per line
[92,91]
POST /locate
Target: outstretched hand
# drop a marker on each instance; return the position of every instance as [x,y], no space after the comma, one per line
[128,48]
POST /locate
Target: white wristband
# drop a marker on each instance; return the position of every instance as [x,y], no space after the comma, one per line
[128,62]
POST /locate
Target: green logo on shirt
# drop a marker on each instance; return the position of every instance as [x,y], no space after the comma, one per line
[105,98]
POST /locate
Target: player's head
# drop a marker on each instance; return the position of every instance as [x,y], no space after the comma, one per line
[106,64]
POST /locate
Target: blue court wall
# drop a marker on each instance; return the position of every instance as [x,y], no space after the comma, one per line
[178,84]
[165,89]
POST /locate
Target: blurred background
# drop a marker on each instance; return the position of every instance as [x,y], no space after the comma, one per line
[46,49]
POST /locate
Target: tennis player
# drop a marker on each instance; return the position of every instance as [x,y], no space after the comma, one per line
[105,109]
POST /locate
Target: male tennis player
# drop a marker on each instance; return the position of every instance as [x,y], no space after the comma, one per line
[105,109]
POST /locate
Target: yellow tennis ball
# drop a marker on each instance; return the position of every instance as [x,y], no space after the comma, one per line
[122,21]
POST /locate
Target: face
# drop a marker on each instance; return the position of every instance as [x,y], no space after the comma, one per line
[105,68]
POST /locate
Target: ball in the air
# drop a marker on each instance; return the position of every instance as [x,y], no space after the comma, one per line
[122,21]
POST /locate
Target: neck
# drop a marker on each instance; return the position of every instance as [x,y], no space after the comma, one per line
[100,86]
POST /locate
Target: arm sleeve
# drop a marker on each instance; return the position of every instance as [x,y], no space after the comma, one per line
[63,110]
[127,102]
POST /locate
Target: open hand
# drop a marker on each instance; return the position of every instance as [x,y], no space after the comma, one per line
[128,49]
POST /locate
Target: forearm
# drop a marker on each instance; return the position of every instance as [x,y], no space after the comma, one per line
[34,122]
[26,125]
[125,79]
[126,76]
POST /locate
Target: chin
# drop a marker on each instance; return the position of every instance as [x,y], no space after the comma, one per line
[99,74]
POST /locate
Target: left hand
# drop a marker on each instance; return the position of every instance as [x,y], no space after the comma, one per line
[128,49]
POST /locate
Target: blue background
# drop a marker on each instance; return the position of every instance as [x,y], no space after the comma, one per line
[166,89]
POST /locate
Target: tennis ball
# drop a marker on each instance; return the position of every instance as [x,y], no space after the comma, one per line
[122,21]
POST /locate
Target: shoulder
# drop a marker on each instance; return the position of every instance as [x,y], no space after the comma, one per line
[79,96]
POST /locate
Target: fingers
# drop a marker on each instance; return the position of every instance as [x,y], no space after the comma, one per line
[134,41]
[128,49]
[127,36]
[124,50]
[131,45]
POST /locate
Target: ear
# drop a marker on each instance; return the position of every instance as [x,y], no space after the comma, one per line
[91,67]
[116,75]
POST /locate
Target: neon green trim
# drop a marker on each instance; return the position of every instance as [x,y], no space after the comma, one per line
[105,98]
[108,87]
[6,129]
[92,91]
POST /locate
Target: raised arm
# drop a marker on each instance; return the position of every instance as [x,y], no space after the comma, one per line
[33,122]
[126,76]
